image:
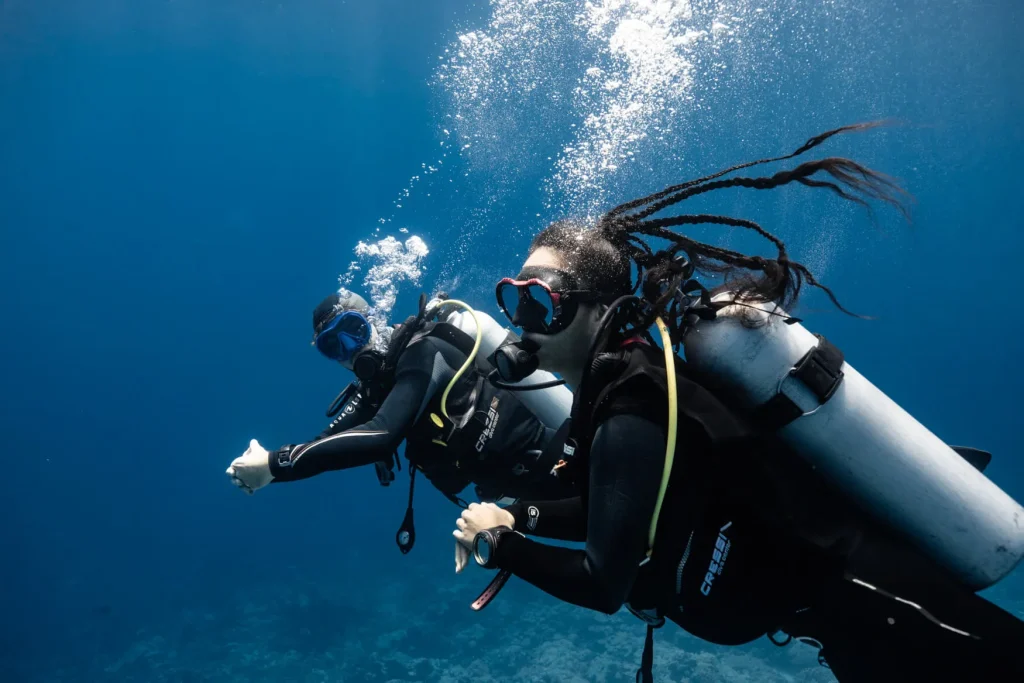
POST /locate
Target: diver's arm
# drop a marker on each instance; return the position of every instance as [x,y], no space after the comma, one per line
[563,520]
[627,458]
[371,441]
[357,411]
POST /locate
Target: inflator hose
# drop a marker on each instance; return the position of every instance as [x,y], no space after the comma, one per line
[673,420]
[469,359]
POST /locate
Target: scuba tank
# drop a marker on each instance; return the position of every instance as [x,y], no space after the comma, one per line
[788,380]
[550,405]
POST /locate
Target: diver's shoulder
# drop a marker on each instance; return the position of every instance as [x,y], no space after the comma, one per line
[629,387]
[424,346]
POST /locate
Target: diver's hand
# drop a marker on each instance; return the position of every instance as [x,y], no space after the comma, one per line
[251,470]
[476,518]
[461,557]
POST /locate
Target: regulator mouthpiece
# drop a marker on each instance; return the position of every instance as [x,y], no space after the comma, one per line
[515,361]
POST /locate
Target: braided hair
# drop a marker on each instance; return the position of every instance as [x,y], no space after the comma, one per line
[602,258]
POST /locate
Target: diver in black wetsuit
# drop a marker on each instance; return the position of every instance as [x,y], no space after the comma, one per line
[491,439]
[748,540]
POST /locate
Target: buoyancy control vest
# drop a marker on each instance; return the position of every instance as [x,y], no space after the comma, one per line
[489,436]
[492,438]
[747,533]
[750,533]
[749,530]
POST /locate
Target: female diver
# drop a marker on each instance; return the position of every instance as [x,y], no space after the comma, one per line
[727,532]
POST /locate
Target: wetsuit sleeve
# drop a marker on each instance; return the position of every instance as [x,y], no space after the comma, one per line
[563,520]
[352,416]
[371,441]
[627,458]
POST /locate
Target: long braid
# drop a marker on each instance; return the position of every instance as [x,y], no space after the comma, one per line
[787,275]
[870,183]
[660,275]
[719,220]
[810,144]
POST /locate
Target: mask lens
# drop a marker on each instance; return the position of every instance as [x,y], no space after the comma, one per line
[343,336]
[329,345]
[354,325]
[530,307]
[508,296]
[543,307]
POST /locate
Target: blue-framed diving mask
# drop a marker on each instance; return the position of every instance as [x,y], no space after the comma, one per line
[342,336]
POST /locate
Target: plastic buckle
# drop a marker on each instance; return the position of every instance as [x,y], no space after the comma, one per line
[385,475]
[652,620]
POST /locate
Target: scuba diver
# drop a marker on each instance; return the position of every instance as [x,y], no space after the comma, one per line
[423,383]
[780,493]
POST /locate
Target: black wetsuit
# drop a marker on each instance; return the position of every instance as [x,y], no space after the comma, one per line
[749,541]
[499,448]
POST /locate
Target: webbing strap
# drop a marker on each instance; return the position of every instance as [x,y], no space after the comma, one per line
[645,674]
[820,370]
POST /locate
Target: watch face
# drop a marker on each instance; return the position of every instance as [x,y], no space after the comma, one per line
[482,548]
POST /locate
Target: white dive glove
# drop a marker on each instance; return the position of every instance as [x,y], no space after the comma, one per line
[251,470]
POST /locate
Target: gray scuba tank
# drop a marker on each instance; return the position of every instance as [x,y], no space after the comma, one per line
[860,439]
[551,405]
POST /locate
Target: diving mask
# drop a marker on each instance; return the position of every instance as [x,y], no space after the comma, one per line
[342,336]
[541,300]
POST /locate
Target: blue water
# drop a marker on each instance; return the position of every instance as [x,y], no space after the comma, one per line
[181,182]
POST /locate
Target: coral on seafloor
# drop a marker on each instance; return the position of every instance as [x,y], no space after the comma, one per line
[415,629]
